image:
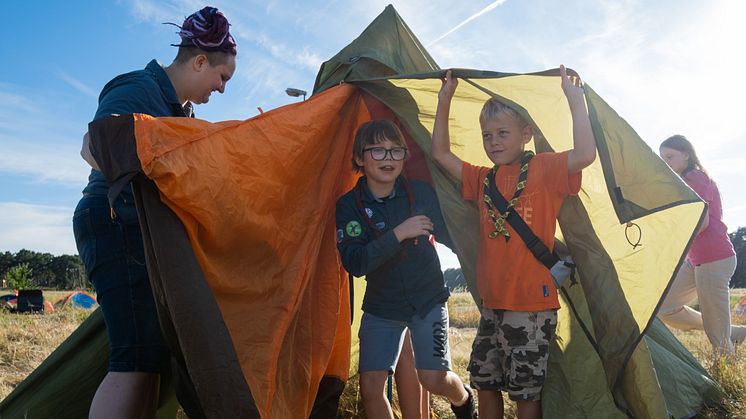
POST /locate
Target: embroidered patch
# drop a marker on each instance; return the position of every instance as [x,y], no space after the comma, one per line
[369,212]
[340,235]
[353,229]
[380,225]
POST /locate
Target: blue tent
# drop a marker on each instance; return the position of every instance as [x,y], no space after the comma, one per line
[78,300]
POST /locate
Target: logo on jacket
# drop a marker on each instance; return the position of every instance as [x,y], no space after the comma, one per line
[353,229]
[369,212]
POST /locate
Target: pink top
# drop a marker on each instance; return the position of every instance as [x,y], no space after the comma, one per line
[713,243]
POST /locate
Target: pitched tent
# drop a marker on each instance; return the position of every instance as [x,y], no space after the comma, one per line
[244,210]
[77,299]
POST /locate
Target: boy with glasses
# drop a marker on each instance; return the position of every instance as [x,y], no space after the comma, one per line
[383,229]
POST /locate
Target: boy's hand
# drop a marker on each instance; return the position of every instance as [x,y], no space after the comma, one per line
[571,85]
[419,225]
[448,88]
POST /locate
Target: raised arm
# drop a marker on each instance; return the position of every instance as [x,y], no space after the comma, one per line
[584,144]
[441,139]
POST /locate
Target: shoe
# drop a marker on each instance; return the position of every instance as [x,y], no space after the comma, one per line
[469,409]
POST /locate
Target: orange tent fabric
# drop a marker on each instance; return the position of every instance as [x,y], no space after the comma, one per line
[259,190]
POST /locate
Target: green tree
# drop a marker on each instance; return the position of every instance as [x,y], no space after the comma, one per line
[738,238]
[69,273]
[7,260]
[39,263]
[19,277]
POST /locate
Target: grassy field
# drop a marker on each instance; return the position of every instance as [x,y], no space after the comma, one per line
[25,340]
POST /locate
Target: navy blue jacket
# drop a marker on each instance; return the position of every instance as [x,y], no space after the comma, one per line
[148,91]
[403,279]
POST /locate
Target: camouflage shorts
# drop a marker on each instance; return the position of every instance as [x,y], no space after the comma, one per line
[510,352]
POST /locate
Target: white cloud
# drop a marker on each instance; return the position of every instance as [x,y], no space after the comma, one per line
[490,7]
[46,162]
[15,101]
[157,11]
[287,54]
[78,85]
[36,227]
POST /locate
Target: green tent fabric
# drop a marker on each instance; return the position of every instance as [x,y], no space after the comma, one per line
[611,357]
[64,384]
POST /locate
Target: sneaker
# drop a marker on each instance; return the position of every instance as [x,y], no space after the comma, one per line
[469,409]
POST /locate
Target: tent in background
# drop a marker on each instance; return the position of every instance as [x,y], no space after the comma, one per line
[77,299]
[229,223]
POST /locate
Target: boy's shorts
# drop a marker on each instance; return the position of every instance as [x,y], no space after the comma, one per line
[114,258]
[511,350]
[381,341]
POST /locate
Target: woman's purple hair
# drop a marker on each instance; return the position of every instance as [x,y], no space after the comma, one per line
[208,30]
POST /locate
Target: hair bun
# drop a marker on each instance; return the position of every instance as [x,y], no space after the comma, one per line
[207,29]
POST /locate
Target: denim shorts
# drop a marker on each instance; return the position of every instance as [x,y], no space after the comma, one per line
[110,245]
[381,341]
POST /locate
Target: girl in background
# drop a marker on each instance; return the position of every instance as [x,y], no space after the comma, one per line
[709,266]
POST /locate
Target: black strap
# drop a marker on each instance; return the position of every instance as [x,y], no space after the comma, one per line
[534,244]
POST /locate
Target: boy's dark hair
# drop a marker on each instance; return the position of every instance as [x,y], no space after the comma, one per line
[375,132]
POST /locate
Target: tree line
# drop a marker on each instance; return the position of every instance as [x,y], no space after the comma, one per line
[31,269]
[44,270]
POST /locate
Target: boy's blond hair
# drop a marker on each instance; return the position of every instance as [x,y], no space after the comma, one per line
[493,108]
[375,132]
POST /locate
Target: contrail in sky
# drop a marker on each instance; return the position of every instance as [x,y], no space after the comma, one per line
[469,19]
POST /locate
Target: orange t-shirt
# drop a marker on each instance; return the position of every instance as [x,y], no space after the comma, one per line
[509,277]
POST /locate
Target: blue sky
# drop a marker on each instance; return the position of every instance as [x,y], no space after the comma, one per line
[665,66]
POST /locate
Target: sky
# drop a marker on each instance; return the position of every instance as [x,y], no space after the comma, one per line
[667,67]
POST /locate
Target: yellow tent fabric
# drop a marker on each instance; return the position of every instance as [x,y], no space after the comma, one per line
[628,229]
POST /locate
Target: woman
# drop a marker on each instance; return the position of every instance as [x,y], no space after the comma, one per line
[707,270]
[109,239]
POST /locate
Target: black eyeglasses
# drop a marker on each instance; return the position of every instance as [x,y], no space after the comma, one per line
[380,153]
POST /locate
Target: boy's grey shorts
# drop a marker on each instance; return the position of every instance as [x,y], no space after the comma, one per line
[381,341]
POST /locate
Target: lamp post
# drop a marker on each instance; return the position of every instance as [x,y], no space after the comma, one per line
[295,92]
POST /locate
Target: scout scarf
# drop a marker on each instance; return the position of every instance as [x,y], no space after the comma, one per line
[498,219]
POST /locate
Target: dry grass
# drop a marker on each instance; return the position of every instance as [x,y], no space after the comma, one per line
[729,372]
[25,340]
